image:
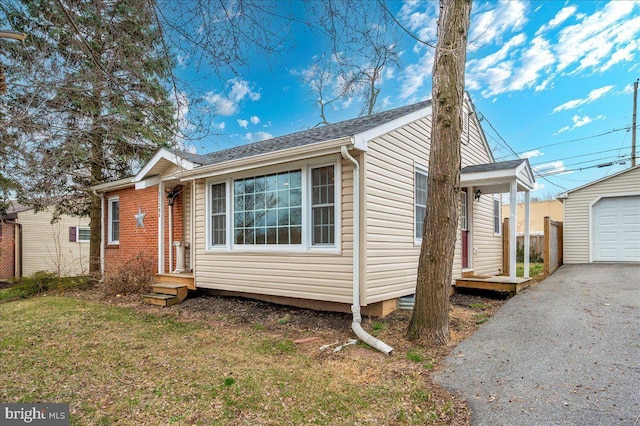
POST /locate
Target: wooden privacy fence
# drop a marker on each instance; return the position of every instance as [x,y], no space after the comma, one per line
[549,245]
[552,250]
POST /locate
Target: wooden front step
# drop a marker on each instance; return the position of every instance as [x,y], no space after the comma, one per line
[166,294]
[184,279]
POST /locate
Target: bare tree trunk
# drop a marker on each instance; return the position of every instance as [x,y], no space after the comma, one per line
[430,319]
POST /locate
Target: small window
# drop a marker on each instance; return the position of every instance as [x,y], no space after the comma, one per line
[83,234]
[420,186]
[323,205]
[497,215]
[218,215]
[114,220]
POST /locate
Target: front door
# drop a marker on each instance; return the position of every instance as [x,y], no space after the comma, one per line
[464,225]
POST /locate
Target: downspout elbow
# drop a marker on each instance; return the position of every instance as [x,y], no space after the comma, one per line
[355,308]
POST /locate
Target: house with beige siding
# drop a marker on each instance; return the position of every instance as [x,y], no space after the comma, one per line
[324,218]
[34,241]
[602,219]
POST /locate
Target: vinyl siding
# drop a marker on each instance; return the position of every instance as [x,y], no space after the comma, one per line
[391,255]
[577,210]
[324,277]
[46,246]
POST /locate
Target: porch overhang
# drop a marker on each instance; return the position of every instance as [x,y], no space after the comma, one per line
[497,178]
[505,177]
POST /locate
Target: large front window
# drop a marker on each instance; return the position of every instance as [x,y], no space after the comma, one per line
[268,209]
[293,208]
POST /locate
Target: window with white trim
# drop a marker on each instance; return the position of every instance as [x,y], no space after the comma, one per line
[420,201]
[113,230]
[497,215]
[293,208]
[83,234]
[323,205]
[218,214]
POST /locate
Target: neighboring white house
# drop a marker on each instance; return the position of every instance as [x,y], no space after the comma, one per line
[61,247]
[313,215]
[602,219]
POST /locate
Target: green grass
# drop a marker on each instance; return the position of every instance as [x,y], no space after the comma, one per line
[534,269]
[478,306]
[116,365]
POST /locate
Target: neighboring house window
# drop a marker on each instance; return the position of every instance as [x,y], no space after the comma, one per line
[420,186]
[218,215]
[268,209]
[323,205]
[497,215]
[79,234]
[114,220]
[295,208]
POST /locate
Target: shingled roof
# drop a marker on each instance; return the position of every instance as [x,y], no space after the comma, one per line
[489,167]
[329,132]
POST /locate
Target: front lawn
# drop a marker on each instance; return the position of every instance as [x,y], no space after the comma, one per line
[121,365]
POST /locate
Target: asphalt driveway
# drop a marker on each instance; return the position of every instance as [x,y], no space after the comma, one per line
[566,352]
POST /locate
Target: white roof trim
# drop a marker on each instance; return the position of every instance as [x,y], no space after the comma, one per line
[116,184]
[361,139]
[566,194]
[163,154]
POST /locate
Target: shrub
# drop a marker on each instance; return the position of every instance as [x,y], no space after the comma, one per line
[534,257]
[134,277]
[43,281]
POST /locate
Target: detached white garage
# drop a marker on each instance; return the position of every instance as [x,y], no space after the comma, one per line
[602,220]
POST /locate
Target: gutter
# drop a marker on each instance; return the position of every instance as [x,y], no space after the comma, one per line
[355,308]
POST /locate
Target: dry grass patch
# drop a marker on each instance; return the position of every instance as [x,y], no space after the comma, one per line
[191,364]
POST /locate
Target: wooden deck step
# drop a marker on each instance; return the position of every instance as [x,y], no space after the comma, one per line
[160,299]
[166,294]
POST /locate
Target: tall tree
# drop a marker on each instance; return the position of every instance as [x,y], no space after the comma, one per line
[87,99]
[430,319]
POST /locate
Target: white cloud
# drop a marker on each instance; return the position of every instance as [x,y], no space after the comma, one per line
[257,136]
[531,154]
[422,19]
[592,96]
[242,123]
[589,41]
[219,126]
[415,76]
[490,26]
[229,105]
[562,15]
[534,61]
[579,121]
[255,119]
[537,186]
[553,167]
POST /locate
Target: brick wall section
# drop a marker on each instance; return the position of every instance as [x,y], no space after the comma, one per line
[7,250]
[133,240]
[178,228]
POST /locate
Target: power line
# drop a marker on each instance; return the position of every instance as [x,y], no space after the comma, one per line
[578,156]
[627,128]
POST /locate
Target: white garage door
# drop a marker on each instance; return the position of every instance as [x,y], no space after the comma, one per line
[616,229]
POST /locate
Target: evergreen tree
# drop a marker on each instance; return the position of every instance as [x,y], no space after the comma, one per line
[87,100]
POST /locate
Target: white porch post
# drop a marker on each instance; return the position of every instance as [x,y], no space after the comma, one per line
[161,227]
[526,234]
[513,204]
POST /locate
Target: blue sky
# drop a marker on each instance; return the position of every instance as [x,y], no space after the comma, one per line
[548,77]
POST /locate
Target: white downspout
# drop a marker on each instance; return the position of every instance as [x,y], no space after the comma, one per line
[102,266]
[355,308]
[170,239]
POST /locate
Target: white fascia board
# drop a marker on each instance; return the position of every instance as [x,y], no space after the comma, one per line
[488,176]
[361,139]
[112,186]
[148,183]
[268,159]
[164,154]
[525,175]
